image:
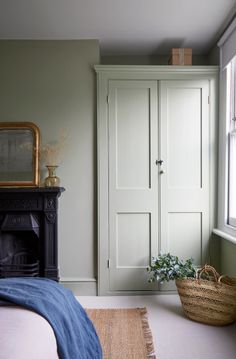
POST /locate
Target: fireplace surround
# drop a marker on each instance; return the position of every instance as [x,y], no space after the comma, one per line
[28,232]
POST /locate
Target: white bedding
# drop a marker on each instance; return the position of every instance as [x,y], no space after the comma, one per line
[25,335]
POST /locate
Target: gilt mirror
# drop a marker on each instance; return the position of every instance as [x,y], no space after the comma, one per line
[19,154]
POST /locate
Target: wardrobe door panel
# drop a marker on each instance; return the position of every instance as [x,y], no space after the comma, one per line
[184,185]
[133,183]
[132,137]
[184,136]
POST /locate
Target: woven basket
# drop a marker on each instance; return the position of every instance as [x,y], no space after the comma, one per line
[208,301]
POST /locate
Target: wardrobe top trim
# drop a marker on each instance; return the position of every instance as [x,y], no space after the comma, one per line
[156,69]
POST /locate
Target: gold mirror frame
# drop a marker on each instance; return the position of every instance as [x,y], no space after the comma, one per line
[19,154]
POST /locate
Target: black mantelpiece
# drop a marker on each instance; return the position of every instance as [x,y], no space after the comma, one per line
[28,231]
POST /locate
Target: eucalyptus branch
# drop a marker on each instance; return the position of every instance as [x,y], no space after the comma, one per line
[167,267]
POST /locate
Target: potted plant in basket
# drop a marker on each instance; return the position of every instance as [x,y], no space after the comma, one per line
[167,267]
[206,296]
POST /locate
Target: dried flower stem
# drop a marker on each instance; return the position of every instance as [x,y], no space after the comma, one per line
[51,153]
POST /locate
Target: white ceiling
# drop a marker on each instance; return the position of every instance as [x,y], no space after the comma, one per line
[122,26]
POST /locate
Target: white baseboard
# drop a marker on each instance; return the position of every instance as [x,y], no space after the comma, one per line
[80,286]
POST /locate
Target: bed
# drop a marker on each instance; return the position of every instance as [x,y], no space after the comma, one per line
[39,318]
[25,334]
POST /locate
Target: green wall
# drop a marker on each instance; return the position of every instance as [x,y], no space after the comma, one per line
[228,258]
[52,83]
[147,60]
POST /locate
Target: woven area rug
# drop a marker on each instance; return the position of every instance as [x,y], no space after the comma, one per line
[124,333]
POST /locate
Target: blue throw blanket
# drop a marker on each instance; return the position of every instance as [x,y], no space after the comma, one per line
[74,332]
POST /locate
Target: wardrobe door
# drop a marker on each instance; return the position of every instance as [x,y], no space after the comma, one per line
[133,183]
[184,174]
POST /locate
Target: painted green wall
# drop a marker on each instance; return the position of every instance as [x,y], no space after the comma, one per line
[52,83]
[147,60]
[228,258]
[211,58]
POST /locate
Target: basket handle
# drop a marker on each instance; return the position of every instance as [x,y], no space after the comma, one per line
[208,269]
[222,276]
[227,280]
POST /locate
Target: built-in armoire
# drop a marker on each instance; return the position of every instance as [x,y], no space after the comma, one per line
[157,137]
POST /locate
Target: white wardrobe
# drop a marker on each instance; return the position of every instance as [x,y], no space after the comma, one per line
[157,134]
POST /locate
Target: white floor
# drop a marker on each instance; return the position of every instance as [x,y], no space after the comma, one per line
[175,337]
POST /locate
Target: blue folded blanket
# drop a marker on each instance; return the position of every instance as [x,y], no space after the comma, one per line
[74,332]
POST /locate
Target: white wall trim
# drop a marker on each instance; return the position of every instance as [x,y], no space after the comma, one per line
[80,286]
[227,44]
[224,235]
[227,33]
[77,279]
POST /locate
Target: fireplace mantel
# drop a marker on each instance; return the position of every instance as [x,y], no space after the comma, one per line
[30,213]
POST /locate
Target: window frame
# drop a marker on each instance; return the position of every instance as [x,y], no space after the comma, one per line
[231,219]
[231,119]
[224,225]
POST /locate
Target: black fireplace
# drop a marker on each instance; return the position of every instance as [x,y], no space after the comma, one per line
[28,232]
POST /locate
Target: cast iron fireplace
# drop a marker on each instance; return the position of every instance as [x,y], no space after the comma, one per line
[28,232]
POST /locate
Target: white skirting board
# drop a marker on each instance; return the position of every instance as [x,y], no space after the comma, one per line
[80,286]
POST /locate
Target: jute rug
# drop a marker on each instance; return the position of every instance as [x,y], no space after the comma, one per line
[124,333]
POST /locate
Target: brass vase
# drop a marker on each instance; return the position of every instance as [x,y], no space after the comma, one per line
[52,180]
